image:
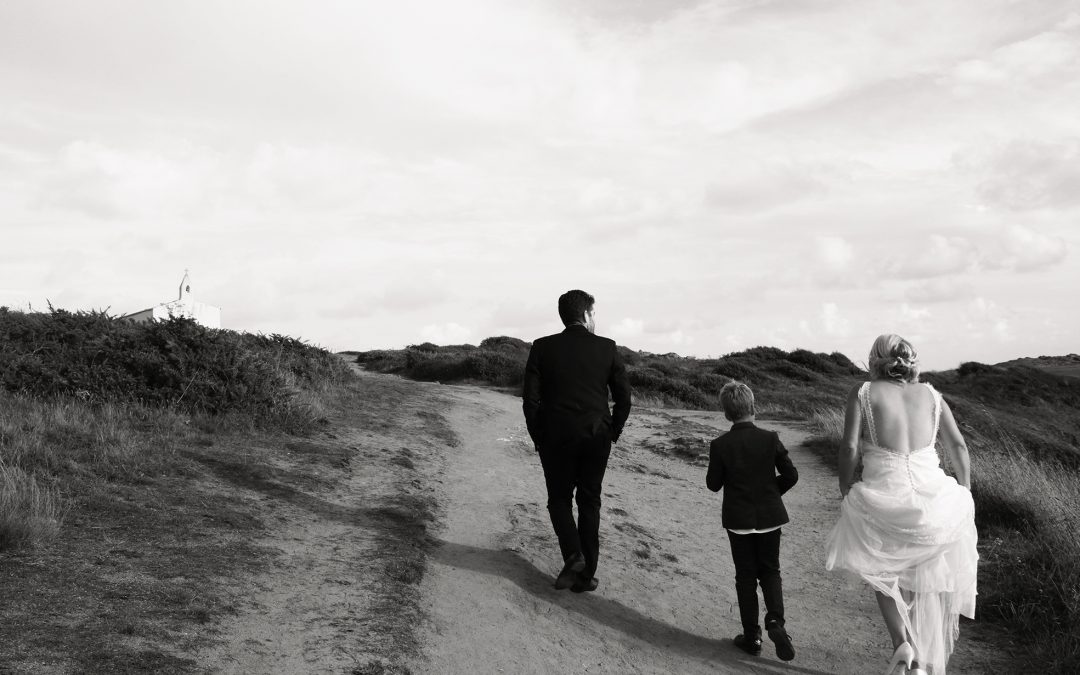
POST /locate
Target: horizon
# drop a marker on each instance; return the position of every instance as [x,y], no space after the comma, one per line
[719,175]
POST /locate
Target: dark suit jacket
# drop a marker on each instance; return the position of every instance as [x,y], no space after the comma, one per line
[567,378]
[745,462]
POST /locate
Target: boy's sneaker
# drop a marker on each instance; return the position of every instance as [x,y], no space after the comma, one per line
[779,636]
[751,645]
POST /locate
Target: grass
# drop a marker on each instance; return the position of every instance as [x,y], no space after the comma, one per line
[790,385]
[137,467]
[29,513]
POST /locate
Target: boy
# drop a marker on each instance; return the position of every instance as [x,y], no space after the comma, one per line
[745,462]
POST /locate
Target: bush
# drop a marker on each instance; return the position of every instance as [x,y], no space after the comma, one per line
[505,343]
[176,363]
[969,368]
[709,383]
[794,371]
[735,370]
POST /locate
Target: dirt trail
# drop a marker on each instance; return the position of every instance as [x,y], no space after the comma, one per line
[342,595]
[666,600]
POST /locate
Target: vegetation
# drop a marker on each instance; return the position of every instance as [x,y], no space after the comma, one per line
[176,363]
[1021,421]
[791,385]
[115,532]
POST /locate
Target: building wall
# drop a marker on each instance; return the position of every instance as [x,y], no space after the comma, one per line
[201,313]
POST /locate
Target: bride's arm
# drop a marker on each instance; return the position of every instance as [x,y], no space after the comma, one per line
[954,444]
[849,447]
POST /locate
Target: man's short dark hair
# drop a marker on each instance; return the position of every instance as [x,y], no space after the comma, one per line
[573,305]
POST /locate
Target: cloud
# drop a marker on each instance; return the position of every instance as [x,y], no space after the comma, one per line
[985,319]
[910,313]
[104,181]
[835,253]
[628,328]
[1025,175]
[938,256]
[749,188]
[1047,58]
[1027,250]
[939,290]
[833,322]
[446,333]
[412,296]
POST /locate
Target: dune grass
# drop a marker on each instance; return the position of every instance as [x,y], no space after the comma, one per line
[29,513]
[789,385]
[116,543]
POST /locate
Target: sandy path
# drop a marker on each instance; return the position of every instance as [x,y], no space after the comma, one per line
[666,601]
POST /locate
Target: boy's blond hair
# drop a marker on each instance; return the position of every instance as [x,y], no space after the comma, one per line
[737,400]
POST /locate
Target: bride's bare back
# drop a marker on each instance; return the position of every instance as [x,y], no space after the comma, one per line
[903,422]
[903,415]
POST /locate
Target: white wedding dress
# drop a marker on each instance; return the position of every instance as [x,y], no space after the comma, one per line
[908,530]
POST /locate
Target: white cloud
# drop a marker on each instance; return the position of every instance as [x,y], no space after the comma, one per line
[836,253]
[985,319]
[939,290]
[1050,55]
[446,333]
[833,321]
[628,328]
[759,188]
[910,313]
[1026,250]
[1029,174]
[936,256]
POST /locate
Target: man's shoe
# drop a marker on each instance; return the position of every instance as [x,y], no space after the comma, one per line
[575,565]
[779,636]
[585,585]
[751,645]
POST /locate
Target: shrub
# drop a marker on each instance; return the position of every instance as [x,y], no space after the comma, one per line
[793,371]
[506,343]
[969,368]
[766,353]
[735,370]
[176,363]
[709,383]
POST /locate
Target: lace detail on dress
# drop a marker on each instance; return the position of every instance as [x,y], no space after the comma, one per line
[937,412]
[868,413]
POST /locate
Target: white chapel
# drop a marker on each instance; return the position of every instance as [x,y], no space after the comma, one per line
[184,306]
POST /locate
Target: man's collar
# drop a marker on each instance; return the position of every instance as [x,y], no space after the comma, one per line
[576,326]
[743,425]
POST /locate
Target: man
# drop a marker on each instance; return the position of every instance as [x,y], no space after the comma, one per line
[567,379]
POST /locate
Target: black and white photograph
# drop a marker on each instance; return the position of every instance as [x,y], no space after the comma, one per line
[544,336]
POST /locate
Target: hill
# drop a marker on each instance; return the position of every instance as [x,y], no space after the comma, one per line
[789,385]
[1068,365]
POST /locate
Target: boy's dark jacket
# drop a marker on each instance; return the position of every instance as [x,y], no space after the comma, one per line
[745,462]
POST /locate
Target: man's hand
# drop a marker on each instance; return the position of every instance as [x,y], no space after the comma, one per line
[536,446]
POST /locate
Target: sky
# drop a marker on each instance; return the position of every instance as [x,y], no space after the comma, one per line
[719,175]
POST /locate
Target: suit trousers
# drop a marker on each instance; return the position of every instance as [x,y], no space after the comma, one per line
[574,471]
[757,559]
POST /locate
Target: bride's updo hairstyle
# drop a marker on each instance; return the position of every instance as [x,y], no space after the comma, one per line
[894,358]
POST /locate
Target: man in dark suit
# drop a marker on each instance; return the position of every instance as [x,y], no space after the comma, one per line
[567,379]
[754,469]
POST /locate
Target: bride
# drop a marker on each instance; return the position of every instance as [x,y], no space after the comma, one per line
[906,528]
